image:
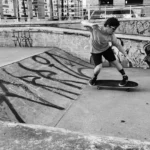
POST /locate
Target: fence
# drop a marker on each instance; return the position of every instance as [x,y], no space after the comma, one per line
[80,12]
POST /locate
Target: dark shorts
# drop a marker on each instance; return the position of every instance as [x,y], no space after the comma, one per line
[108,55]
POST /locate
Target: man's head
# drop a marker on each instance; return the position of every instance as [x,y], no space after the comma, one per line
[111,25]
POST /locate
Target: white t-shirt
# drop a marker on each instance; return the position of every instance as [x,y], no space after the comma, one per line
[100,40]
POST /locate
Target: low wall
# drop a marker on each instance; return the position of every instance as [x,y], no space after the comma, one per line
[139,26]
[137,44]
[73,41]
[136,38]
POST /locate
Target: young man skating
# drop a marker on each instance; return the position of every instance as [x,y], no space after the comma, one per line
[102,39]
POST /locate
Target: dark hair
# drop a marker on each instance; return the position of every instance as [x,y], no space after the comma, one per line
[112,22]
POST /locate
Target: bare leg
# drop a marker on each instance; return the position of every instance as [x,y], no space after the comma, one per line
[117,64]
[121,70]
[97,70]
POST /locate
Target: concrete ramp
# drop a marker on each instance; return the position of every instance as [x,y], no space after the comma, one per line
[50,88]
[41,88]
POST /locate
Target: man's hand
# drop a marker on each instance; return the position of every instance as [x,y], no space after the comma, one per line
[130,60]
[86,23]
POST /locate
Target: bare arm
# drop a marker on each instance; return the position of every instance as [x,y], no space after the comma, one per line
[116,43]
[121,49]
[88,24]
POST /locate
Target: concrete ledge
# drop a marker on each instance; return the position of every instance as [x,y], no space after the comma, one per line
[35,137]
[75,42]
[133,37]
[72,31]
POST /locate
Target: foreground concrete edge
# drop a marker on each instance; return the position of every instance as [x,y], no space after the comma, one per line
[15,136]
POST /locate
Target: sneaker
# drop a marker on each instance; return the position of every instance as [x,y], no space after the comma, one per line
[124,81]
[92,81]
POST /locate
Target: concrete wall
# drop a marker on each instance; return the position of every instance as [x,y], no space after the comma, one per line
[135,27]
[146,2]
[119,2]
[134,34]
[137,43]
[115,2]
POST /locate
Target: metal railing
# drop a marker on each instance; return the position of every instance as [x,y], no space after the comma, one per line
[128,11]
[86,12]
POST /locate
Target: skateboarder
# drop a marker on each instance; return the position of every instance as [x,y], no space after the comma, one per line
[102,39]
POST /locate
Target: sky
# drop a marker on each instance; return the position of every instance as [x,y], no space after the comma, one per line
[84,2]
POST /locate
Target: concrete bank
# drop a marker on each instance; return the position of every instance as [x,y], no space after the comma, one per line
[15,136]
[51,87]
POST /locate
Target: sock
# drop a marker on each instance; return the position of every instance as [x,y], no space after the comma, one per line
[122,72]
[95,76]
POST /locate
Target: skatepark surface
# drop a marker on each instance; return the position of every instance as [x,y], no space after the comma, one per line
[48,86]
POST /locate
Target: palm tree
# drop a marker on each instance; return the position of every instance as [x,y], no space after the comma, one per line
[62,9]
[24,10]
[16,9]
[51,9]
[99,3]
[1,9]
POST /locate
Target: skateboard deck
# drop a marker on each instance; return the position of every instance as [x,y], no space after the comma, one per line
[115,84]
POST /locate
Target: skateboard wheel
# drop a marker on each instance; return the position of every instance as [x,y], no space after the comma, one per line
[128,90]
[98,88]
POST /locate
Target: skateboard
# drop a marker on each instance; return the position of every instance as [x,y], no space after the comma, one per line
[115,84]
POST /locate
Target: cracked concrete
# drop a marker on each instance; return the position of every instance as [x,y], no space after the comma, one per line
[49,87]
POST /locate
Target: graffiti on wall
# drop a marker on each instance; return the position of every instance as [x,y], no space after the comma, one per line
[139,27]
[139,52]
[22,38]
[4,34]
[147,51]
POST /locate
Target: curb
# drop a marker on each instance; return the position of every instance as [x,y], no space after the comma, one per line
[16,136]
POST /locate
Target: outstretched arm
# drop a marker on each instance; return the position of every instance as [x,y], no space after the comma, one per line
[88,24]
[116,43]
